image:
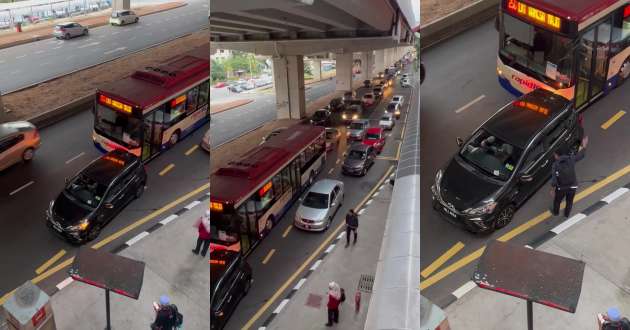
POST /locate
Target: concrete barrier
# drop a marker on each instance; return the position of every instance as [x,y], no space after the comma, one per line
[56,115]
[457,22]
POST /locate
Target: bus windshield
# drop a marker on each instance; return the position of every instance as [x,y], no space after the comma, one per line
[224,228]
[118,126]
[543,53]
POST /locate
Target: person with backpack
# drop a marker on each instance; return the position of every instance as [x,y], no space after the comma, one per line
[563,178]
[203,239]
[352,224]
[167,317]
[334,299]
[614,321]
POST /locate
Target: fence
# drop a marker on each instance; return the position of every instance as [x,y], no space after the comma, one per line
[33,12]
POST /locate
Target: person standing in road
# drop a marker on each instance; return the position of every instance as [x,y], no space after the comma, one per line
[203,239]
[352,224]
[334,299]
[563,178]
[166,315]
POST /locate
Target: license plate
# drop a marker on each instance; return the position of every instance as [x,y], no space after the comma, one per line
[449,212]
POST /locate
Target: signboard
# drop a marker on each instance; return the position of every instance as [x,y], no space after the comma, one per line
[534,15]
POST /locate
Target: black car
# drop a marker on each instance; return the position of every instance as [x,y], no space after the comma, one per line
[322,117]
[378,92]
[505,161]
[348,96]
[93,197]
[230,280]
[367,83]
[352,112]
[359,160]
[336,105]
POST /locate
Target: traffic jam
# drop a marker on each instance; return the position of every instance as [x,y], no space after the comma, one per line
[304,177]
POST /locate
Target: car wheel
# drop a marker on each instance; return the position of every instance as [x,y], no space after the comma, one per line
[136,20]
[94,232]
[268,225]
[328,222]
[140,190]
[67,36]
[85,32]
[364,171]
[504,217]
[624,72]
[28,154]
[174,138]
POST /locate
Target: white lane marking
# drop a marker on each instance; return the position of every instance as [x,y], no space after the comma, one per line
[529,247]
[341,235]
[573,220]
[137,238]
[464,289]
[56,47]
[299,284]
[316,264]
[330,248]
[19,57]
[39,52]
[467,105]
[614,195]
[64,283]
[21,188]
[89,45]
[369,202]
[331,170]
[376,194]
[381,187]
[168,219]
[44,63]
[192,204]
[361,211]
[74,158]
[115,50]
[281,306]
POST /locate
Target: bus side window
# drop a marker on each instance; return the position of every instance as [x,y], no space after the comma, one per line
[620,31]
[174,114]
[203,94]
[191,100]
[286,178]
[277,185]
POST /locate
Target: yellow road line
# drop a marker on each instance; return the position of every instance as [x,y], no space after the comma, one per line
[398,150]
[286,231]
[520,229]
[442,259]
[191,150]
[307,262]
[50,262]
[268,256]
[166,169]
[386,158]
[613,119]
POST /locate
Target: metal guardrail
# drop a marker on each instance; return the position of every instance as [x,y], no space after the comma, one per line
[395,300]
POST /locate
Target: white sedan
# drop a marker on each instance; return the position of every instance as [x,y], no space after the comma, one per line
[387,121]
[399,99]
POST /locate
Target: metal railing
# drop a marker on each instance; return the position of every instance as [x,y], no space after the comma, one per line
[33,12]
[395,301]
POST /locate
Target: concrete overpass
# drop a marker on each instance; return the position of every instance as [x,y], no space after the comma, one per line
[378,32]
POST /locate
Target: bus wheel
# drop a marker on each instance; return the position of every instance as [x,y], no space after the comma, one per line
[268,225]
[311,178]
[624,71]
[174,138]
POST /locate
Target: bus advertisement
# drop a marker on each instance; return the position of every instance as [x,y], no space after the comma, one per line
[577,49]
[250,195]
[152,109]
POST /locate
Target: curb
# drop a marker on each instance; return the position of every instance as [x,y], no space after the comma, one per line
[457,22]
[49,36]
[231,107]
[141,235]
[537,242]
[319,260]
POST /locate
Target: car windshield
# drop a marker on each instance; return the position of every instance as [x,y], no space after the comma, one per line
[319,114]
[373,136]
[118,126]
[367,96]
[86,190]
[391,106]
[395,99]
[356,154]
[494,156]
[545,54]
[386,118]
[356,126]
[316,200]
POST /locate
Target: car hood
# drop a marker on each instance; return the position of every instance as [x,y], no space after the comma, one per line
[370,142]
[385,122]
[352,163]
[311,213]
[68,212]
[463,187]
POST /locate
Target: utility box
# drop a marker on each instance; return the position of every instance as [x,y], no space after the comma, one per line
[29,308]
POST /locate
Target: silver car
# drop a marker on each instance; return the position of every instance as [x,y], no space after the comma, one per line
[387,121]
[18,142]
[69,30]
[122,17]
[356,130]
[319,205]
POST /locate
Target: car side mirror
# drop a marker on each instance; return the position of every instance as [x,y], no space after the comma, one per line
[526,178]
[108,205]
[333,204]
[460,142]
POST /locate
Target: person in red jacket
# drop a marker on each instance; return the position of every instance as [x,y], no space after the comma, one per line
[334,299]
[203,240]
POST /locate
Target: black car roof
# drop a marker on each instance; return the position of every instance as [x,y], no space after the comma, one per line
[519,121]
[105,169]
[220,261]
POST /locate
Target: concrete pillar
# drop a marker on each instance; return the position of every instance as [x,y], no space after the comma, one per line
[344,72]
[316,65]
[366,65]
[288,77]
[121,5]
[379,62]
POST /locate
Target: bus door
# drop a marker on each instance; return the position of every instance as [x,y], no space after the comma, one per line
[592,63]
[152,139]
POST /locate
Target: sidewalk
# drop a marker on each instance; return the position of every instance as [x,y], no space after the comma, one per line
[305,306]
[601,241]
[170,269]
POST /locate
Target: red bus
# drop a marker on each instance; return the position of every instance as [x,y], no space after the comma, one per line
[250,195]
[579,49]
[152,109]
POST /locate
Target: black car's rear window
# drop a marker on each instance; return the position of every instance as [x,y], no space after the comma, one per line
[497,158]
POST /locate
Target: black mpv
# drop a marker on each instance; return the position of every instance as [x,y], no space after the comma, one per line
[505,161]
[93,197]
[230,280]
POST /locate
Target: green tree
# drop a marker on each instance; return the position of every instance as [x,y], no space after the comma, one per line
[217,71]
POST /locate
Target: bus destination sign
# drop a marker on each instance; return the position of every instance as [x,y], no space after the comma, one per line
[534,14]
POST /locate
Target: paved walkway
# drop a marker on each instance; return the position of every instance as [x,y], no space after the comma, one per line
[601,241]
[170,269]
[305,306]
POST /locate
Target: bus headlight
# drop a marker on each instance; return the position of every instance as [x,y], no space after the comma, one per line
[499,72]
[355,116]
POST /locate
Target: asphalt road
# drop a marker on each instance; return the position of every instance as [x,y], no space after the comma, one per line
[40,61]
[460,71]
[291,251]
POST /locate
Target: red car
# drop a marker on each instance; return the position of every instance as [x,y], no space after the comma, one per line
[219,85]
[375,137]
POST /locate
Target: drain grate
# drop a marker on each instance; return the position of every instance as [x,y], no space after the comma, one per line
[366,282]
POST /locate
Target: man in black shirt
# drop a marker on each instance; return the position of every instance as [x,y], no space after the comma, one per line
[352,224]
[563,179]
